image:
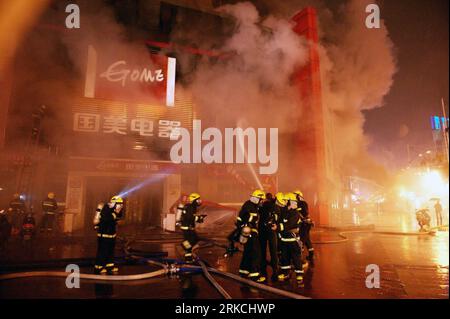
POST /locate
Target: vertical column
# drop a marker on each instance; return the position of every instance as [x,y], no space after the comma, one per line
[310,137]
[73,218]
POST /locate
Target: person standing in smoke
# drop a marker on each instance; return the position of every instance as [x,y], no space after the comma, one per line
[305,226]
[49,208]
[105,222]
[247,222]
[187,222]
[16,211]
[268,235]
[291,253]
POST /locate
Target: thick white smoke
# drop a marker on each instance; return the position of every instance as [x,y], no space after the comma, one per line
[358,66]
[253,82]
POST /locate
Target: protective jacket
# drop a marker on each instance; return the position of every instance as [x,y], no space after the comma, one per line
[288,226]
[108,221]
[49,206]
[249,216]
[189,216]
[17,204]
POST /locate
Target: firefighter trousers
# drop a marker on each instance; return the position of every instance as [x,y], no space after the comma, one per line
[290,255]
[105,254]
[48,221]
[190,239]
[251,257]
[438,218]
[233,237]
[269,237]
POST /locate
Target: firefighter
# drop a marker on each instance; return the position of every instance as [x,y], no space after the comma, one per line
[305,226]
[105,222]
[188,219]
[49,208]
[290,246]
[247,222]
[268,235]
[17,211]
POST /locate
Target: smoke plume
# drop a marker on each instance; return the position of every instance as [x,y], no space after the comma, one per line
[249,83]
[252,82]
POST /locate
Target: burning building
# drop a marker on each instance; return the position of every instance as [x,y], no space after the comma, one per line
[116,89]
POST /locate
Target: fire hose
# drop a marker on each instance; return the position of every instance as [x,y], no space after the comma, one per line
[251,283]
[276,291]
[206,270]
[148,275]
[210,278]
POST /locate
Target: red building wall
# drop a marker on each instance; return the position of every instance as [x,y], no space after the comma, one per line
[310,137]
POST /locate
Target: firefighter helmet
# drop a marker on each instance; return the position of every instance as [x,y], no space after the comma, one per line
[291,197]
[259,194]
[298,193]
[51,195]
[280,199]
[116,199]
[193,196]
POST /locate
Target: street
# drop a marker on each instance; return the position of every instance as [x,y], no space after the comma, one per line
[411,267]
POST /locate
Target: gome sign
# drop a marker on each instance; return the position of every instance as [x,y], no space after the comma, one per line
[149,80]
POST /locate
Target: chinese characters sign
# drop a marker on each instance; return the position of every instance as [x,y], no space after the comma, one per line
[95,123]
[123,165]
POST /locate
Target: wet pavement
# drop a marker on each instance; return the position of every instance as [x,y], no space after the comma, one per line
[410,267]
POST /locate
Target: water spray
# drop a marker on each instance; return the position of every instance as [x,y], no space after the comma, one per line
[240,141]
[151,180]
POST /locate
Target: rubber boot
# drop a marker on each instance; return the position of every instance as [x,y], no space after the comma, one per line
[261,279]
[283,277]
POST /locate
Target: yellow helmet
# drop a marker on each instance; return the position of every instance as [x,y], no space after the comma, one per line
[291,197]
[51,195]
[116,199]
[259,194]
[298,193]
[279,198]
[193,196]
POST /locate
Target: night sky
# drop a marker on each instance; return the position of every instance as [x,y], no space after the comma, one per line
[419,30]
